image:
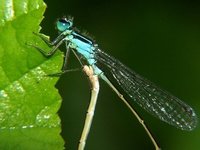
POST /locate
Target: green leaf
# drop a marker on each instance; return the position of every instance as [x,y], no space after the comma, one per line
[28,100]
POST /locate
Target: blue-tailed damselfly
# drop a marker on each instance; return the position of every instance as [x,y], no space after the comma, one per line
[153,99]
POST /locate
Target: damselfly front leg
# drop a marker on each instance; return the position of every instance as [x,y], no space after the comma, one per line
[56,42]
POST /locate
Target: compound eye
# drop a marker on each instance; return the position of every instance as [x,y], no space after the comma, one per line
[63,24]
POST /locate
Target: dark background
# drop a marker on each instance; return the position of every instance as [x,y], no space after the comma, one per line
[159,40]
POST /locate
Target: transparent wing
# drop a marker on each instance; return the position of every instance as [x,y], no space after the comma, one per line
[153,99]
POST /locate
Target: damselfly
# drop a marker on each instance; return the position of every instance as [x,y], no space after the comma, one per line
[153,99]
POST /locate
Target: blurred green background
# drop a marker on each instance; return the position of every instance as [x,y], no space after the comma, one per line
[159,40]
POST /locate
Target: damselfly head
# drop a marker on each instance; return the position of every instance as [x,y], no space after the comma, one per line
[64,24]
